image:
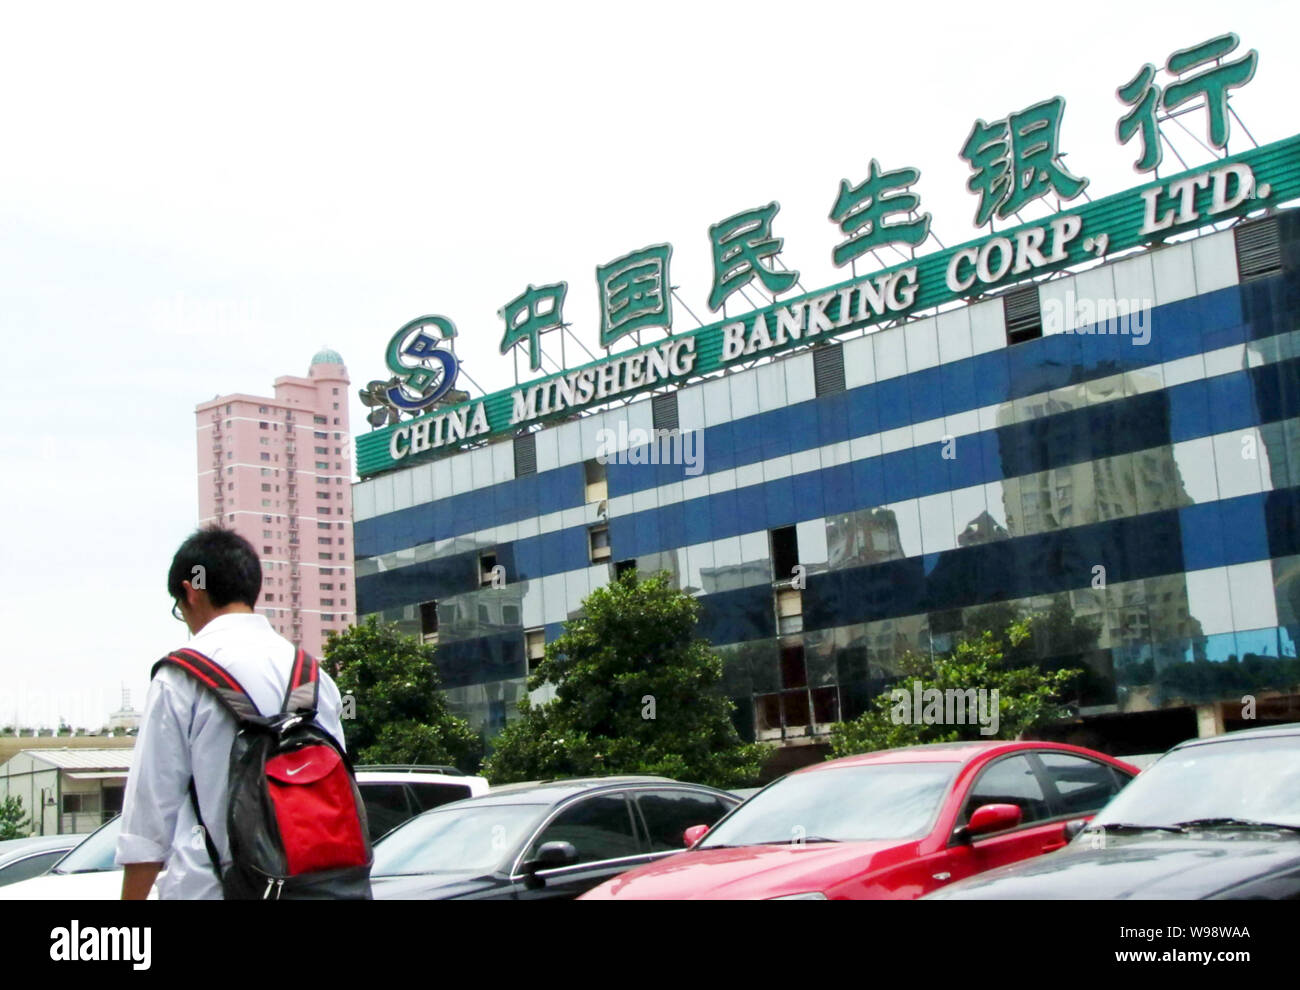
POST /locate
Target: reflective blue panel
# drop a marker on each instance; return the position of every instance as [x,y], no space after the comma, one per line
[809,501]
[838,490]
[899,469]
[1189,411]
[780,503]
[992,378]
[1281,511]
[1176,330]
[1245,535]
[1231,402]
[869,482]
[527,559]
[1201,528]
[925,394]
[957,386]
[893,403]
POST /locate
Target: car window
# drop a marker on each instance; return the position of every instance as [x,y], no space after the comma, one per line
[1083,786]
[386,807]
[600,827]
[472,837]
[32,866]
[1009,781]
[1249,778]
[432,795]
[669,813]
[843,804]
[96,851]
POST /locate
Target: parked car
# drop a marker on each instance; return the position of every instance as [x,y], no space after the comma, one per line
[393,794]
[21,859]
[554,839]
[1215,818]
[891,824]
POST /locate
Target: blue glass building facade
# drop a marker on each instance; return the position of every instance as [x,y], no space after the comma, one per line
[1144,485]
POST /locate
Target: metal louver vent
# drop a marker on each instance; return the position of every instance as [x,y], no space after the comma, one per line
[1259,251]
[828,369]
[1024,317]
[663,411]
[525,454]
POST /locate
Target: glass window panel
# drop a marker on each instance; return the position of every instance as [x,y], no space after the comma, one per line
[386,807]
[1194,467]
[996,500]
[1115,487]
[1009,781]
[699,560]
[1083,786]
[669,813]
[1271,451]
[901,521]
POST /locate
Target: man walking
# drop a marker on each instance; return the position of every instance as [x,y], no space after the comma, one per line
[185,732]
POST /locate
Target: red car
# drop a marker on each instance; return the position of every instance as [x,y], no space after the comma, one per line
[897,823]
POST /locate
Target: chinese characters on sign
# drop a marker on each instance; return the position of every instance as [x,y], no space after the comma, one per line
[635,293]
[861,212]
[740,245]
[1145,96]
[530,315]
[1016,161]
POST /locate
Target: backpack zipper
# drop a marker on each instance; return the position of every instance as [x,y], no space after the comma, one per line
[272,882]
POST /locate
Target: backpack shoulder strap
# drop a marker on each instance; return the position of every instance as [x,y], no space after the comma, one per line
[216,679]
[304,684]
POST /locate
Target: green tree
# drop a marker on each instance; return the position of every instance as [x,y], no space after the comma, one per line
[393,709]
[14,823]
[636,691]
[1028,696]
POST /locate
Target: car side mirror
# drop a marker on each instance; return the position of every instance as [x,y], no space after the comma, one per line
[550,856]
[694,834]
[1074,827]
[989,818]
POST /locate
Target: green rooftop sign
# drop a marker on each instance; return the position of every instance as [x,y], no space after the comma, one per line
[1227,188]
[1015,160]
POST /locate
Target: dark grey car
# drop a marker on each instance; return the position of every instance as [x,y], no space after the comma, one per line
[1215,818]
[556,839]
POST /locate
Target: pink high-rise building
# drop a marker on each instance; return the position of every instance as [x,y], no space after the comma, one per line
[278,471]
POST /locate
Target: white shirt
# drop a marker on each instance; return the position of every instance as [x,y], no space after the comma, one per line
[185,732]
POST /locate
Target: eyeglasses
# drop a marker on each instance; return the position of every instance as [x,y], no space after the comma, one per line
[176,611]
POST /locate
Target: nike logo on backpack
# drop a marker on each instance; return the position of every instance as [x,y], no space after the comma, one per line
[303,767]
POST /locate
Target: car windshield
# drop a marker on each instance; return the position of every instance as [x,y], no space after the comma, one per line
[475,838]
[844,804]
[95,853]
[1254,780]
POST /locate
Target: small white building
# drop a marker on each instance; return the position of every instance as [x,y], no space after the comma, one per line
[67,790]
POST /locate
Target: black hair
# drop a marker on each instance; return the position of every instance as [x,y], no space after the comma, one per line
[230,569]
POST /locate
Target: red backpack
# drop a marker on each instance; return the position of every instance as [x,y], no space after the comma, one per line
[296,821]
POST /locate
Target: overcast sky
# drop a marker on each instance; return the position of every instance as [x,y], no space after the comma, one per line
[193,203]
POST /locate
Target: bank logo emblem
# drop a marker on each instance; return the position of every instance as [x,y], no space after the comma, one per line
[424,371]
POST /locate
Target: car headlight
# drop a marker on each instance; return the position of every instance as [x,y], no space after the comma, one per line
[812,895]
